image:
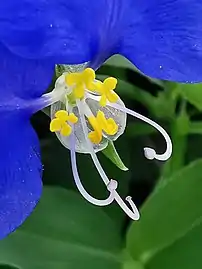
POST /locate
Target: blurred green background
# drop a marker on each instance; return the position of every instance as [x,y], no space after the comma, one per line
[66,232]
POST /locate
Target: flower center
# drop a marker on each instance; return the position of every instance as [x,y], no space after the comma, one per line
[75,87]
[85,81]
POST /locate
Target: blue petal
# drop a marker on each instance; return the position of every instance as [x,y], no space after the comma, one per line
[20,166]
[22,78]
[164,38]
[67,31]
[161,37]
[20,172]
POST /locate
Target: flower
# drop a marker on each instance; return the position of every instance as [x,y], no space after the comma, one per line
[89,114]
[162,38]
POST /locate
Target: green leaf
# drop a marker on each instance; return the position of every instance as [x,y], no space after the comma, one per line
[168,214]
[7,267]
[182,123]
[64,232]
[111,153]
[179,131]
[183,253]
[132,265]
[163,106]
[192,93]
[120,61]
[129,263]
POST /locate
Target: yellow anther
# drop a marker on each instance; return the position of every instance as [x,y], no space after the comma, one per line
[110,83]
[112,97]
[112,127]
[106,90]
[62,115]
[72,78]
[96,135]
[103,100]
[66,130]
[86,80]
[81,81]
[89,77]
[60,123]
[72,118]
[55,125]
[100,124]
[109,126]
[79,91]
[88,74]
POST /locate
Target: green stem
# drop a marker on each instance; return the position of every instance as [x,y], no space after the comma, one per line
[179,133]
[179,149]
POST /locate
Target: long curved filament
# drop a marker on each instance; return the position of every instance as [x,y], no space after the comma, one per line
[111,186]
[133,213]
[150,153]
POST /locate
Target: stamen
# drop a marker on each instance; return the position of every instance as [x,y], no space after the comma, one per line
[80,81]
[112,97]
[110,83]
[74,85]
[55,125]
[72,78]
[105,89]
[79,91]
[99,124]
[89,77]
[150,153]
[96,135]
[59,124]
[62,115]
[72,118]
[109,126]
[66,129]
[103,100]
[134,213]
[111,186]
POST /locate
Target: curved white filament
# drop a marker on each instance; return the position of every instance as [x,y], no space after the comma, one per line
[150,153]
[134,213]
[111,186]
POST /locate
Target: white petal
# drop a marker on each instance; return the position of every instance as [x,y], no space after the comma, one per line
[110,112]
[81,144]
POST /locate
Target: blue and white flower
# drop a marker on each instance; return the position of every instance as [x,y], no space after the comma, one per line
[162,38]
